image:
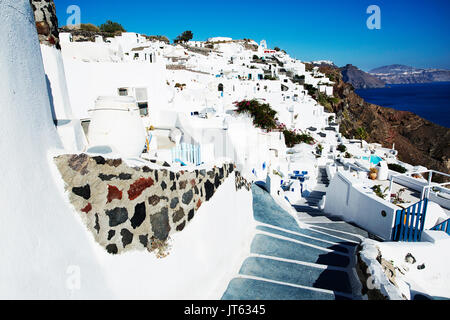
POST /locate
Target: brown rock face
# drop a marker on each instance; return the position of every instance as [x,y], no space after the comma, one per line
[46,21]
[417,140]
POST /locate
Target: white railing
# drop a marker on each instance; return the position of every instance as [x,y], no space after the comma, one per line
[187,154]
[426,188]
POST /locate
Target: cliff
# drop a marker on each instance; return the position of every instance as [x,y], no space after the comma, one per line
[401,74]
[360,79]
[418,141]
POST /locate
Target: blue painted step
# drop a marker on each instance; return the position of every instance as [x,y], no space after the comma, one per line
[319,243]
[344,227]
[270,246]
[337,233]
[266,210]
[298,274]
[250,289]
[316,234]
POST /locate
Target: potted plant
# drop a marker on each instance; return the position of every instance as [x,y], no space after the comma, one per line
[319,149]
[373,173]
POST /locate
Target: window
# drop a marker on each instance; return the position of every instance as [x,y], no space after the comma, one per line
[143,108]
[123,91]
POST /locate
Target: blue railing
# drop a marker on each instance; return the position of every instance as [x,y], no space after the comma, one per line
[443,226]
[409,222]
[187,154]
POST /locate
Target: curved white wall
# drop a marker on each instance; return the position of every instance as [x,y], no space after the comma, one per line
[44,246]
[69,129]
[40,237]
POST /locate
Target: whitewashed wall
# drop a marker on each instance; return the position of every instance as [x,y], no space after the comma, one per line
[347,199]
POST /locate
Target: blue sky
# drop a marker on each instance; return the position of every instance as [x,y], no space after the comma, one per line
[412,32]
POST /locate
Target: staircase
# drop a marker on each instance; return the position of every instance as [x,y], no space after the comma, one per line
[290,262]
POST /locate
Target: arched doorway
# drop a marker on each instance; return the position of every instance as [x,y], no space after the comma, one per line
[220,87]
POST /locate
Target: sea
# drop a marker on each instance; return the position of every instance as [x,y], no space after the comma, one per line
[428,100]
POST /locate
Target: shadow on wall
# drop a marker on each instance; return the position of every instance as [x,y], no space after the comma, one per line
[50,97]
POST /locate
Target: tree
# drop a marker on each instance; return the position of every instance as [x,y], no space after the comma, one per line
[361,134]
[276,49]
[184,37]
[111,27]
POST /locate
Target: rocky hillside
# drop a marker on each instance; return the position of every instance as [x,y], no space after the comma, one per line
[418,141]
[397,74]
[360,79]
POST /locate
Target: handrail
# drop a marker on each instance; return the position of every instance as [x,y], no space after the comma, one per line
[408,174]
[443,226]
[426,189]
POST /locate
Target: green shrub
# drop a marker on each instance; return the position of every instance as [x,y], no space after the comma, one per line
[89,27]
[361,133]
[341,148]
[263,115]
[184,37]
[378,192]
[396,167]
[291,138]
[310,88]
[111,27]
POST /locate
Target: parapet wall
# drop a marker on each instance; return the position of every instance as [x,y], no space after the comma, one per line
[129,208]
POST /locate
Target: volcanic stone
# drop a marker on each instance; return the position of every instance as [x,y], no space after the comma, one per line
[111,248]
[124,176]
[191,214]
[174,202]
[180,227]
[138,186]
[178,215]
[139,215]
[84,192]
[111,234]
[117,216]
[127,237]
[160,224]
[153,200]
[113,193]
[187,197]
[209,189]
[79,163]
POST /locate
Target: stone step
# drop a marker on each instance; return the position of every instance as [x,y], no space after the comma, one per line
[303,238]
[298,274]
[280,248]
[336,233]
[251,289]
[346,227]
[312,220]
[337,238]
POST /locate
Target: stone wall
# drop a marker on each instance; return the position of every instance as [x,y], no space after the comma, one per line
[137,208]
[46,22]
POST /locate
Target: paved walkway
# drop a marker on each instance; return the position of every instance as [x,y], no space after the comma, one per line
[289,262]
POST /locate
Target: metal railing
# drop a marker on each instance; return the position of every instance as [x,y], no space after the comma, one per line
[409,222]
[187,154]
[443,226]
